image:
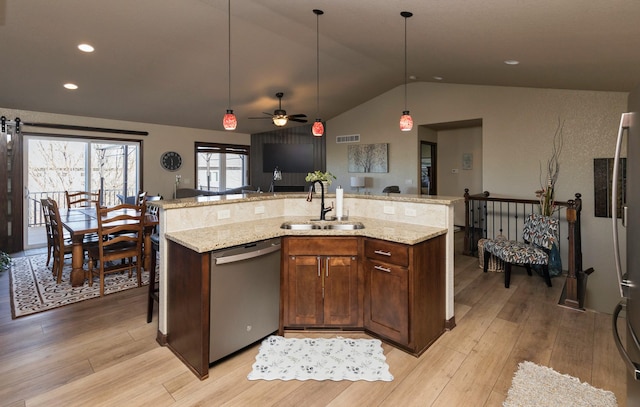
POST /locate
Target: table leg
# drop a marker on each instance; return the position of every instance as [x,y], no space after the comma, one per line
[77,262]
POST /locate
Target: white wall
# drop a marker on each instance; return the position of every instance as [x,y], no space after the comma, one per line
[518,125]
[160,139]
[452,177]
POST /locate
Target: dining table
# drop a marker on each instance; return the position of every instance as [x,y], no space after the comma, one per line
[84,221]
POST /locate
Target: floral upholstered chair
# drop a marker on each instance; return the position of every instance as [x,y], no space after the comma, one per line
[539,235]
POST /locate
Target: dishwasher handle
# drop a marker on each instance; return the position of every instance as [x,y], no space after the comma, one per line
[631,365]
[247,255]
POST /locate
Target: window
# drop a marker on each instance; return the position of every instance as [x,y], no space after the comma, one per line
[221,166]
[54,164]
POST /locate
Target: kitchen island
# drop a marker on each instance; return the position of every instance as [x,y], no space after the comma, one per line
[192,228]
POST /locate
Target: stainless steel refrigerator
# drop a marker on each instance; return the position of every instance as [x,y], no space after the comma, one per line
[629,279]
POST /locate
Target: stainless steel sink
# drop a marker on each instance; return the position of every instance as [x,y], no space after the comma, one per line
[300,226]
[345,226]
[316,226]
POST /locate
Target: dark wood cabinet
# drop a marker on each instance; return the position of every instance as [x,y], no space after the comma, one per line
[188,307]
[404,295]
[320,285]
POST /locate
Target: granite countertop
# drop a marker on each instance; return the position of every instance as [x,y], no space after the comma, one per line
[249,197]
[219,237]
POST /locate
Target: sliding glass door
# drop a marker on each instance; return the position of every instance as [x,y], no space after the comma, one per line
[55,164]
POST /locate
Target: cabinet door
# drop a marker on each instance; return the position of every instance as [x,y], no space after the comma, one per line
[386,301]
[304,291]
[341,291]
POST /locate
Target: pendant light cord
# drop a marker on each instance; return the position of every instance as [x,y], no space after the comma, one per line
[318,13]
[318,64]
[405,62]
[229,39]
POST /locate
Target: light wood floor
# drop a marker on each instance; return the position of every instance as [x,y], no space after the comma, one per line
[103,353]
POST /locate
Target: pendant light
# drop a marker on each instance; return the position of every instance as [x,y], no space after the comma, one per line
[318,128]
[229,121]
[406,122]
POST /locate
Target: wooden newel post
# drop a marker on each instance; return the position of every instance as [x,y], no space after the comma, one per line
[571,298]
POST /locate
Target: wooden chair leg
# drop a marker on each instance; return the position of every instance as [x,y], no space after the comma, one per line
[153,291]
[507,274]
[152,285]
[528,267]
[49,253]
[547,277]
[486,261]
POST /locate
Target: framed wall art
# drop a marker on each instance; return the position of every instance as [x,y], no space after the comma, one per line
[368,157]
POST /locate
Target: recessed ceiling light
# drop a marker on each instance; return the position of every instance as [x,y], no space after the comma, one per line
[413,77]
[511,62]
[438,78]
[71,86]
[85,48]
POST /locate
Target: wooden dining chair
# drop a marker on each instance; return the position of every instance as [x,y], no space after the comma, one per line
[119,246]
[154,290]
[61,245]
[83,198]
[46,213]
[142,197]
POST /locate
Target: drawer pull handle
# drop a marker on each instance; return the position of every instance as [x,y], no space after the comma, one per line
[385,269]
[383,253]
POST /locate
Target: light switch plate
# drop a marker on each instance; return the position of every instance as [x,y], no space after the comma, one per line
[224,214]
[389,210]
[258,210]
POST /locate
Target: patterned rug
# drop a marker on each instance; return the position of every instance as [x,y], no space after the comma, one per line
[320,359]
[34,288]
[535,386]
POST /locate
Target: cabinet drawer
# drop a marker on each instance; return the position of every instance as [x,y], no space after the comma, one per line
[388,252]
[322,246]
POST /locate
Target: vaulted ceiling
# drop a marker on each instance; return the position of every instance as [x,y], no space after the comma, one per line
[166,61]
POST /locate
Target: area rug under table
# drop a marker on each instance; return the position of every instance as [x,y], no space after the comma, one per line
[34,288]
[541,386]
[339,358]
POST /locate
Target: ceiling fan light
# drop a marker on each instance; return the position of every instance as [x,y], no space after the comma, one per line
[406,122]
[229,120]
[280,120]
[318,128]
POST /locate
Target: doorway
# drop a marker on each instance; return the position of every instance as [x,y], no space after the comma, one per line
[428,168]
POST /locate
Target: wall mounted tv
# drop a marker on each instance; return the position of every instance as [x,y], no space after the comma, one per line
[287,157]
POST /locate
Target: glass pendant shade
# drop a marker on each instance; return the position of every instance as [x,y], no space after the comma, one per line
[318,128]
[229,121]
[406,122]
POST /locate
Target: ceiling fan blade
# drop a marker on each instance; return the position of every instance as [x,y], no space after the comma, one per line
[268,114]
[297,115]
[297,120]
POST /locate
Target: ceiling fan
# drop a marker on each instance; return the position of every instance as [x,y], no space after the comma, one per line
[280,117]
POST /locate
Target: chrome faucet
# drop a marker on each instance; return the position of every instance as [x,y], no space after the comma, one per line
[323,210]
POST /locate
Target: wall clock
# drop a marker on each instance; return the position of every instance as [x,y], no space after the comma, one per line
[171,161]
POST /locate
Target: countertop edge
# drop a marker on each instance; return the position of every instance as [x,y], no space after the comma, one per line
[253,197]
[221,237]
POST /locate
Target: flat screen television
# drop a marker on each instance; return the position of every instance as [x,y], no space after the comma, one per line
[287,157]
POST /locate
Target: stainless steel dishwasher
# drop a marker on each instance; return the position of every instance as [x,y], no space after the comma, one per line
[245,296]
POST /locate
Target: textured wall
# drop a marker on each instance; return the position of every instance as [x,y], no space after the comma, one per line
[518,125]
